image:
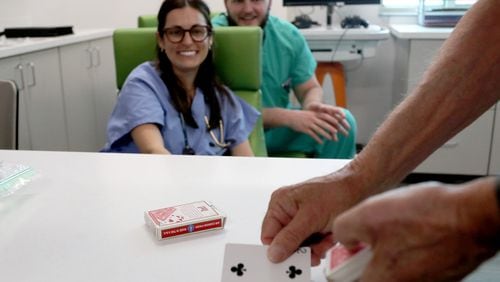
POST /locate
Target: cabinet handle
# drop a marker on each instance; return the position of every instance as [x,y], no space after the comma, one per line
[20,68]
[89,52]
[31,65]
[97,52]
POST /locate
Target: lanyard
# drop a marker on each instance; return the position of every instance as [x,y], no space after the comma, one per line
[219,142]
[187,149]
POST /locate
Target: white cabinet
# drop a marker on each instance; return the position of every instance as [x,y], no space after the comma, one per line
[67,89]
[88,75]
[494,168]
[41,109]
[467,153]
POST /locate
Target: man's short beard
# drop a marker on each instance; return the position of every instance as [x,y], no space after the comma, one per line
[232,22]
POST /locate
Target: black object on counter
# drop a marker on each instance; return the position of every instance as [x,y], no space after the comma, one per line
[37,31]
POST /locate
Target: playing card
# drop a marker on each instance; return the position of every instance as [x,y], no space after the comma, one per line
[345,265]
[243,262]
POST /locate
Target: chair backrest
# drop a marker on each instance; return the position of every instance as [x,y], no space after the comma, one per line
[8,114]
[152,21]
[237,56]
[147,21]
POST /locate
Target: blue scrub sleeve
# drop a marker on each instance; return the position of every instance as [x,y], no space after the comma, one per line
[137,104]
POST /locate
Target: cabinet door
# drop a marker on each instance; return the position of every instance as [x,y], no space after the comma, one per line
[41,102]
[467,153]
[88,75]
[494,168]
[105,90]
[77,68]
[12,69]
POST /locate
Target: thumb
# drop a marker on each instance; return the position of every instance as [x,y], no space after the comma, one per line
[289,239]
[349,229]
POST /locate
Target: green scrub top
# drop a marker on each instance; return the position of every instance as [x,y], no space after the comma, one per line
[287,60]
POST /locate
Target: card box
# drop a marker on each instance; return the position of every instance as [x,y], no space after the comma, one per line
[185,219]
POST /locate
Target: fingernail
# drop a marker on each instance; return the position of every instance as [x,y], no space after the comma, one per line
[276,253]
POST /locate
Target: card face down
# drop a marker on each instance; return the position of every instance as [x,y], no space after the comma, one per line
[344,265]
[244,262]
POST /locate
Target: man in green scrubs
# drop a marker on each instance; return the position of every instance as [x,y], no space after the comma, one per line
[317,129]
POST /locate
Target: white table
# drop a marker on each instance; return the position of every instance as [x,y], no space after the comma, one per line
[82,218]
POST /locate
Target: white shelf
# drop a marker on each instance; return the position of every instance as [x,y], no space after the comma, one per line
[17,46]
[413,31]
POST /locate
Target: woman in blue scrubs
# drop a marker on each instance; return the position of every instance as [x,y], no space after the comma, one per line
[175,105]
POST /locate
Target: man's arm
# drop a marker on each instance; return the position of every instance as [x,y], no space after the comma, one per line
[460,85]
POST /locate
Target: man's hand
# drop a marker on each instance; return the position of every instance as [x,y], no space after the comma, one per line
[298,211]
[429,232]
[320,120]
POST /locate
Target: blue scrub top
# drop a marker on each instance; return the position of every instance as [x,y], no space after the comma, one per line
[144,98]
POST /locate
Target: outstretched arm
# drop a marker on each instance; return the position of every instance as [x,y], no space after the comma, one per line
[462,83]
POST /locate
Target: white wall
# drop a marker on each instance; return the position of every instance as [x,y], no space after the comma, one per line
[88,13]
[368,87]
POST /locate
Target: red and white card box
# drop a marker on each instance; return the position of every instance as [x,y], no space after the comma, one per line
[185,219]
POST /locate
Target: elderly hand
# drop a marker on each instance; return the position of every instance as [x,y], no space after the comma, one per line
[298,211]
[428,232]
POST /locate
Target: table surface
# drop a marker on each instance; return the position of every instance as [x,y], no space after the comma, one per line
[81,218]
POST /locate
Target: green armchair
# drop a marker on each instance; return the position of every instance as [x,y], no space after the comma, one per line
[151,20]
[237,56]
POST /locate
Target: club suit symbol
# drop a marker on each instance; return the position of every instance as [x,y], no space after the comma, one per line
[239,269]
[293,272]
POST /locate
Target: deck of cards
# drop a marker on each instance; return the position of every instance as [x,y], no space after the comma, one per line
[249,263]
[185,219]
[344,265]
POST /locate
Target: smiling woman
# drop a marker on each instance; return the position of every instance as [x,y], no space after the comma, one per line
[176,105]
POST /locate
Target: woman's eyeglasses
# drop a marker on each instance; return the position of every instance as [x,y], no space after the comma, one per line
[198,33]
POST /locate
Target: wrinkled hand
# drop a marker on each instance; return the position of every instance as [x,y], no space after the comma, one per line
[320,120]
[417,234]
[298,211]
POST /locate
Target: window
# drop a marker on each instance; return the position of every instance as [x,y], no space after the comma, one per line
[410,6]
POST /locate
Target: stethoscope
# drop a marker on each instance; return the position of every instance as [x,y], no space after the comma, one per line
[188,150]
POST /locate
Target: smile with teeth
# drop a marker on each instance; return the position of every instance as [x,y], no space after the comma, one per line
[187,53]
[248,17]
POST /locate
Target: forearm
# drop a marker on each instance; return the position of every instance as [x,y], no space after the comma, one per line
[313,96]
[276,117]
[461,84]
[243,149]
[148,139]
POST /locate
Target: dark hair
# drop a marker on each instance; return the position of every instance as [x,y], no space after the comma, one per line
[206,78]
